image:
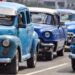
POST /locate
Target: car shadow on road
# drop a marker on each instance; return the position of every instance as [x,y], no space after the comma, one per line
[6,72]
[41,59]
[22,68]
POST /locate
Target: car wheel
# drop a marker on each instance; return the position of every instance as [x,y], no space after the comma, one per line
[2,68]
[13,67]
[31,63]
[49,56]
[73,64]
[60,53]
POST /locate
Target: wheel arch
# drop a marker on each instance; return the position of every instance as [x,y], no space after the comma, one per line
[35,42]
[19,50]
[55,45]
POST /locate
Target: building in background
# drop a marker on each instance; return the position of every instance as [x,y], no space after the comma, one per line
[49,3]
[3,0]
[56,3]
[60,3]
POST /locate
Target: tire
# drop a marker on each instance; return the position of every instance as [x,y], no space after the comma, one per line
[13,67]
[31,63]
[2,68]
[49,56]
[73,64]
[60,53]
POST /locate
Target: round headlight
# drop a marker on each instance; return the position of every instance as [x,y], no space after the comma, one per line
[47,34]
[6,43]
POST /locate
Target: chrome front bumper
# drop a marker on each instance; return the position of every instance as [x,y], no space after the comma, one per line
[72,56]
[49,44]
[46,47]
[5,60]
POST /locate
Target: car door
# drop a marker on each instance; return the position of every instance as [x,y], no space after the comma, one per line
[51,20]
[54,21]
[23,33]
[61,33]
[29,29]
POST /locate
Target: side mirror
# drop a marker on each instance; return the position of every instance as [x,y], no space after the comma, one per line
[21,26]
[62,23]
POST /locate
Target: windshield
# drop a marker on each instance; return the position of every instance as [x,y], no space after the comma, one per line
[6,20]
[67,17]
[38,18]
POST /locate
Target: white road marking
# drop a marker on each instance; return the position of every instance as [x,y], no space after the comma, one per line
[50,68]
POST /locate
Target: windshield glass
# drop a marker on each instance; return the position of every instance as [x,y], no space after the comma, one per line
[6,20]
[39,18]
[67,17]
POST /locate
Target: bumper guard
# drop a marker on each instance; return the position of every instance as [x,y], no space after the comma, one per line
[5,60]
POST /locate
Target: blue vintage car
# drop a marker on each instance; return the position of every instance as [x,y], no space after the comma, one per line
[72,53]
[18,40]
[51,33]
[67,16]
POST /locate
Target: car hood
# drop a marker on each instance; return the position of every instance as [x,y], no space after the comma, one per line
[70,26]
[69,23]
[43,27]
[7,30]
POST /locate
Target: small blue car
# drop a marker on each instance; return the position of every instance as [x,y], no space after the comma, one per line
[67,16]
[72,53]
[52,34]
[18,40]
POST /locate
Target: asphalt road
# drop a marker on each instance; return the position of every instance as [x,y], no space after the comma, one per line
[58,66]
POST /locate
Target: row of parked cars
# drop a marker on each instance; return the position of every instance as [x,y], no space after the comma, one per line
[28,32]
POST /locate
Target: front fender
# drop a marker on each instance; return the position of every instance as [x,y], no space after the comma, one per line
[14,43]
[35,42]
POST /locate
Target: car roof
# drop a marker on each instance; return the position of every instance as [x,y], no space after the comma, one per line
[42,10]
[65,11]
[10,8]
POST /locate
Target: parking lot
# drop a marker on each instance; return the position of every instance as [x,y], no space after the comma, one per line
[58,66]
[27,33]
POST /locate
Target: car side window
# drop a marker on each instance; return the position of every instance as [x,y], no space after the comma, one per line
[48,20]
[57,19]
[53,20]
[21,19]
[27,17]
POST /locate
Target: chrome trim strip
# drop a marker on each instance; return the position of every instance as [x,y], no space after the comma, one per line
[5,60]
[48,44]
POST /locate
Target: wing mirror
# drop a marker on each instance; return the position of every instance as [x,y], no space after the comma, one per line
[21,26]
[62,23]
